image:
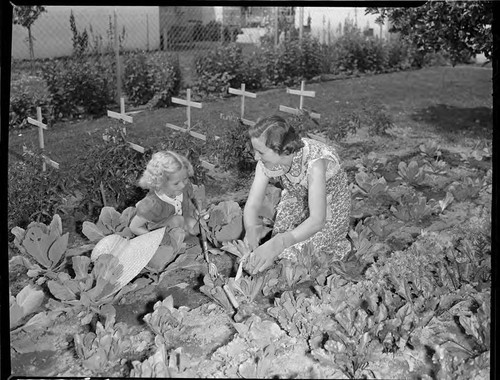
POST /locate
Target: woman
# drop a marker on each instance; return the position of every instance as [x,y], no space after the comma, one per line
[315,203]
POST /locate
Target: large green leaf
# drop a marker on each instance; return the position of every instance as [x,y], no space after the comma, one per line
[58,248]
[61,291]
[109,220]
[37,244]
[91,231]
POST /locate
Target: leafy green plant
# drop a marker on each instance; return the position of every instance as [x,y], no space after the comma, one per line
[213,288]
[289,309]
[378,120]
[412,208]
[225,222]
[53,195]
[467,189]
[370,185]
[23,104]
[46,244]
[371,163]
[109,173]
[247,287]
[413,173]
[110,222]
[382,227]
[232,150]
[104,347]
[431,150]
[349,345]
[362,244]
[26,302]
[91,291]
[163,363]
[165,316]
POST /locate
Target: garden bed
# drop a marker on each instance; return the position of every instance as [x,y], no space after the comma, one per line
[411,301]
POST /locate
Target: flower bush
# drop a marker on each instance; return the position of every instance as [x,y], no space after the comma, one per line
[23,103]
[219,69]
[149,76]
[80,87]
[293,61]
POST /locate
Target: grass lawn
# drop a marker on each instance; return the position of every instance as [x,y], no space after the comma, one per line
[455,102]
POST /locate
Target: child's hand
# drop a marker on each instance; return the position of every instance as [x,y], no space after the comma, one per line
[191,226]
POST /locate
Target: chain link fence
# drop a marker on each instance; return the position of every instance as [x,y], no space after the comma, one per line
[189,32]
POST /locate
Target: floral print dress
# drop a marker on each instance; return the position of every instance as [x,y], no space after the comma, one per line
[293,207]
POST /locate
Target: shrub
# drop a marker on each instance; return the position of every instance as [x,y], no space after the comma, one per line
[253,72]
[148,76]
[233,149]
[219,69]
[293,61]
[116,166]
[80,87]
[397,54]
[23,104]
[33,195]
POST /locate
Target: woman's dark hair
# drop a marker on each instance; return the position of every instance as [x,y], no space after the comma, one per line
[278,135]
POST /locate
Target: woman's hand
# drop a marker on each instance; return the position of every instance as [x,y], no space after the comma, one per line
[263,257]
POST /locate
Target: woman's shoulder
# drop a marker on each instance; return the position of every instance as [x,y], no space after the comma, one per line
[316,149]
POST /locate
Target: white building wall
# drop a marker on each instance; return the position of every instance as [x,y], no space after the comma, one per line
[53,37]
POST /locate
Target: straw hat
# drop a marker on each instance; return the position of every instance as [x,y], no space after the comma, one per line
[137,253]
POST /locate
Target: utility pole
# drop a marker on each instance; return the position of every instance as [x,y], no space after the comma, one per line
[301,23]
[118,67]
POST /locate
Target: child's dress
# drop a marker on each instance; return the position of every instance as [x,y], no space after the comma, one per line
[157,210]
[293,207]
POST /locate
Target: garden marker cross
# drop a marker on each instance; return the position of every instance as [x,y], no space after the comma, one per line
[41,126]
[200,136]
[128,119]
[243,93]
[188,103]
[122,115]
[301,93]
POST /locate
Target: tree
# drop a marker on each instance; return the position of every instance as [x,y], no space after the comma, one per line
[459,28]
[26,16]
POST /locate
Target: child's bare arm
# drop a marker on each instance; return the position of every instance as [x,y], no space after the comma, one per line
[138,225]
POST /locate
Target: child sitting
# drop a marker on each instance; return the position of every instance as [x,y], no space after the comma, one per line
[169,202]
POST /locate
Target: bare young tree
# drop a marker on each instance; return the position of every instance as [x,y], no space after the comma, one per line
[26,16]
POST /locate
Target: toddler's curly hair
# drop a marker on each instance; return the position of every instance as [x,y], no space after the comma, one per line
[161,166]
[278,135]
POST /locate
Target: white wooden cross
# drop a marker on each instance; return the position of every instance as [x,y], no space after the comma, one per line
[128,119]
[200,136]
[301,93]
[189,104]
[122,115]
[41,126]
[243,93]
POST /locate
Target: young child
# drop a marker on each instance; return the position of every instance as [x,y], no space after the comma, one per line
[169,202]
